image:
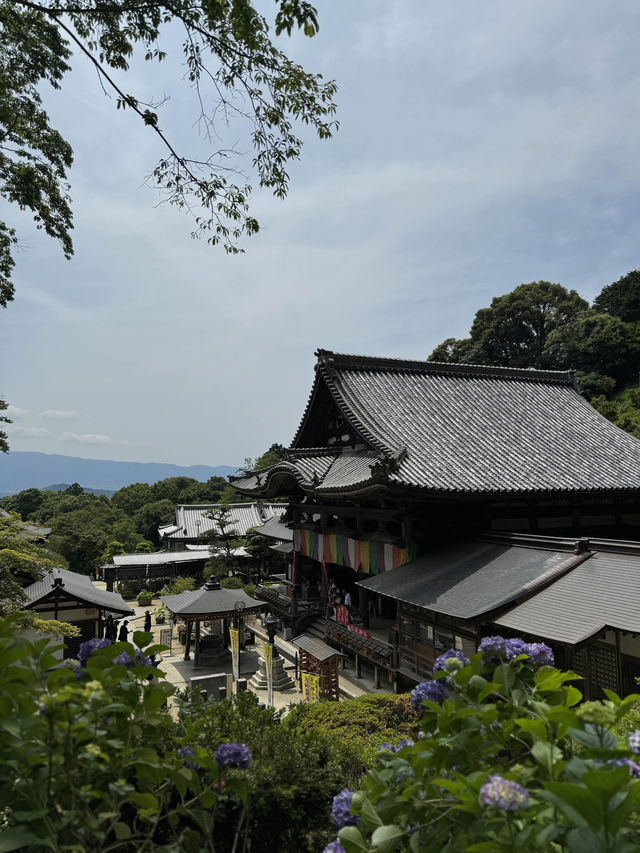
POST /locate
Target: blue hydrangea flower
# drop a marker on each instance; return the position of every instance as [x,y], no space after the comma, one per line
[233,755]
[493,648]
[516,647]
[394,747]
[125,659]
[334,847]
[634,741]
[449,660]
[634,769]
[433,691]
[90,646]
[185,752]
[504,794]
[540,654]
[341,809]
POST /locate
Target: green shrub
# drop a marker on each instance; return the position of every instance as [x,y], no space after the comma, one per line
[507,760]
[182,585]
[357,727]
[231,583]
[249,588]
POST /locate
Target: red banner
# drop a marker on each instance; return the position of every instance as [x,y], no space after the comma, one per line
[342,616]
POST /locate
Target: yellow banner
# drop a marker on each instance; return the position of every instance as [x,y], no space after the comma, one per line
[267,650]
[310,687]
[234,637]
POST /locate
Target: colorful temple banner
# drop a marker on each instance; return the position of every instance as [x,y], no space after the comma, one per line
[234,638]
[310,686]
[342,616]
[267,651]
[371,558]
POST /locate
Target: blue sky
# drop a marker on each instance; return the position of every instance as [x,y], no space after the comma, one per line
[481,145]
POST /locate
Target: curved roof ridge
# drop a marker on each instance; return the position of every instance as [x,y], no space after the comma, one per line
[328,360]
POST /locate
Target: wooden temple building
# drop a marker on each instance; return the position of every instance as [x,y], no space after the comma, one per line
[455,501]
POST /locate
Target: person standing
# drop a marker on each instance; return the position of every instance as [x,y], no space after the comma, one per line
[124,631]
[347,602]
[147,620]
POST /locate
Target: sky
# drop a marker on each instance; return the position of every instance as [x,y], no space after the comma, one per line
[481,145]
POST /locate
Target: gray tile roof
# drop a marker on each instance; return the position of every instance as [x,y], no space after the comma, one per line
[468,579]
[209,602]
[316,648]
[161,558]
[77,586]
[446,428]
[603,591]
[274,529]
[191,519]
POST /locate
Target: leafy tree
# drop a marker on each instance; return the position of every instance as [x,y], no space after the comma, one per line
[595,384]
[4,444]
[150,516]
[596,342]
[74,489]
[24,502]
[232,64]
[111,550]
[454,351]
[622,298]
[132,497]
[21,562]
[143,548]
[514,330]
[222,535]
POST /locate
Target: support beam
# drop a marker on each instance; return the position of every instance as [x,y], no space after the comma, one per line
[187,647]
[196,657]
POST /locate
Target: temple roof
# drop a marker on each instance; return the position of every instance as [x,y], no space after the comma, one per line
[448,429]
[191,520]
[76,586]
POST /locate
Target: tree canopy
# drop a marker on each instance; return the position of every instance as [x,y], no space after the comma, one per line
[622,298]
[232,65]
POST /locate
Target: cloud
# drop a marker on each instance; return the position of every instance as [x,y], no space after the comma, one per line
[28,432]
[58,414]
[15,411]
[90,438]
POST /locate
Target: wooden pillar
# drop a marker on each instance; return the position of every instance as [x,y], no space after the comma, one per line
[358,667]
[196,656]
[618,665]
[187,647]
[376,677]
[364,607]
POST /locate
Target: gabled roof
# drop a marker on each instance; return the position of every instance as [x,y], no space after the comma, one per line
[191,520]
[451,429]
[73,585]
[211,600]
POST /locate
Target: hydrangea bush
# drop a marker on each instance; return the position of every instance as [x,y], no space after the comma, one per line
[508,759]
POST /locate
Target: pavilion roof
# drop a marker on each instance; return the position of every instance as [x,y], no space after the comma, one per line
[210,600]
[77,586]
[448,429]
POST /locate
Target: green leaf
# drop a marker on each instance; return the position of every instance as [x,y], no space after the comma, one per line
[585,840]
[387,838]
[352,838]
[19,836]
[546,754]
[504,675]
[362,805]
[577,803]
[535,727]
[146,801]
[121,830]
[142,638]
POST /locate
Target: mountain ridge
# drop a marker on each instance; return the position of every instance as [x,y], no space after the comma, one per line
[25,469]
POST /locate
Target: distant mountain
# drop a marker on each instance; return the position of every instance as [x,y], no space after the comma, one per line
[61,487]
[26,469]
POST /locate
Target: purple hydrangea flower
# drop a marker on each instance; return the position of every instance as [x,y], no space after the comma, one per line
[540,654]
[516,647]
[233,755]
[433,691]
[394,747]
[634,769]
[334,847]
[450,654]
[493,648]
[504,794]
[90,646]
[341,809]
[125,659]
[186,751]
[634,741]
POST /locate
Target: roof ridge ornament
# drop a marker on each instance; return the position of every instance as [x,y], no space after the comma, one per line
[387,463]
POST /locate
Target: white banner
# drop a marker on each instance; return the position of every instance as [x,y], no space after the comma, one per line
[267,650]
